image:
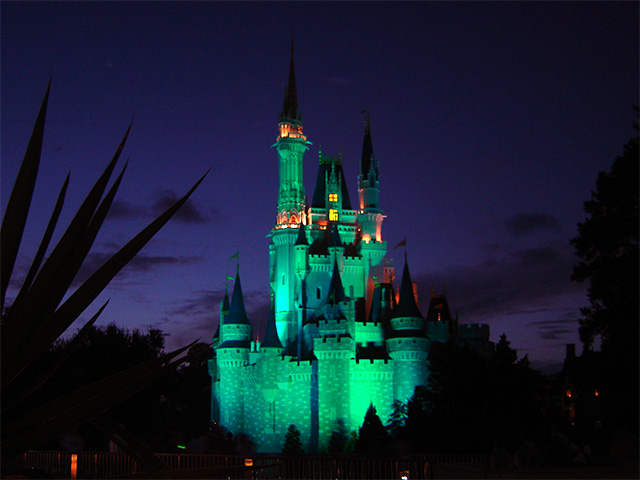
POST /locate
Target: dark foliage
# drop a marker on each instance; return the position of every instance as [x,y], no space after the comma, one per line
[607,245]
[171,411]
[473,403]
[292,443]
[373,438]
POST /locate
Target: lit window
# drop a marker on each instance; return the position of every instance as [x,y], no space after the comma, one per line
[333,215]
[333,197]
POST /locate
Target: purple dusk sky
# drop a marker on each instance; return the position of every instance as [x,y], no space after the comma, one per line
[490,121]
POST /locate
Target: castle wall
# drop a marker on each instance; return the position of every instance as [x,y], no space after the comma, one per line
[411,367]
[371,382]
[231,364]
[334,402]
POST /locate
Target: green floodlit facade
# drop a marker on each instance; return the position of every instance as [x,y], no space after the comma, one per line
[338,337]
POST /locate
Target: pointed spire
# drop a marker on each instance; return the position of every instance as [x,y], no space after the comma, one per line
[290,104]
[225,305]
[302,236]
[237,313]
[335,237]
[367,160]
[407,302]
[271,339]
[336,290]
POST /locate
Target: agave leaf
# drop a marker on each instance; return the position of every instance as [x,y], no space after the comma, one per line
[130,445]
[91,288]
[14,357]
[59,361]
[53,281]
[49,421]
[44,245]
[15,216]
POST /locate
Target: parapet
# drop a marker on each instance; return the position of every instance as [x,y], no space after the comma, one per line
[473,331]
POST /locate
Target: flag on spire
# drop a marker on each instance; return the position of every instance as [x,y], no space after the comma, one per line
[403,243]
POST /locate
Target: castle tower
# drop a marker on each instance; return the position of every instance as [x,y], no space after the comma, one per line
[370,216]
[290,145]
[232,355]
[407,344]
[334,347]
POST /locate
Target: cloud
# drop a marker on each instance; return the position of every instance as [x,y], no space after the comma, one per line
[555,329]
[516,282]
[122,210]
[139,263]
[528,223]
[188,213]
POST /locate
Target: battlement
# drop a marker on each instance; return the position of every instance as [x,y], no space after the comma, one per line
[339,342]
[471,331]
[371,370]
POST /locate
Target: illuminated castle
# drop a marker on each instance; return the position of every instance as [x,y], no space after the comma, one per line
[338,337]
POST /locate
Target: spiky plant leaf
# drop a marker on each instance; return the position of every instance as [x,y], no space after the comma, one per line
[43,376]
[56,275]
[49,288]
[15,216]
[86,293]
[37,318]
[44,244]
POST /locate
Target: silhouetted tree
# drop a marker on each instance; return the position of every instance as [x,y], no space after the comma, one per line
[607,245]
[188,394]
[473,402]
[338,439]
[372,437]
[397,417]
[292,443]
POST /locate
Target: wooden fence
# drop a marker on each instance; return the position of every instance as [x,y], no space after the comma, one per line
[63,465]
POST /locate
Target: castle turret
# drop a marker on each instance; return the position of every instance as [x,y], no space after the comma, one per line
[370,216]
[407,344]
[232,355]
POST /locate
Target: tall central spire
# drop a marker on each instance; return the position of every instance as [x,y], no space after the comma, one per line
[290,105]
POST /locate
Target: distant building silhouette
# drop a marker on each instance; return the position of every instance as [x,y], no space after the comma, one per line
[338,337]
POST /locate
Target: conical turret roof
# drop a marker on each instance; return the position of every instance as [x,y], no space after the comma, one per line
[335,237]
[237,313]
[336,290]
[407,306]
[302,236]
[271,339]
